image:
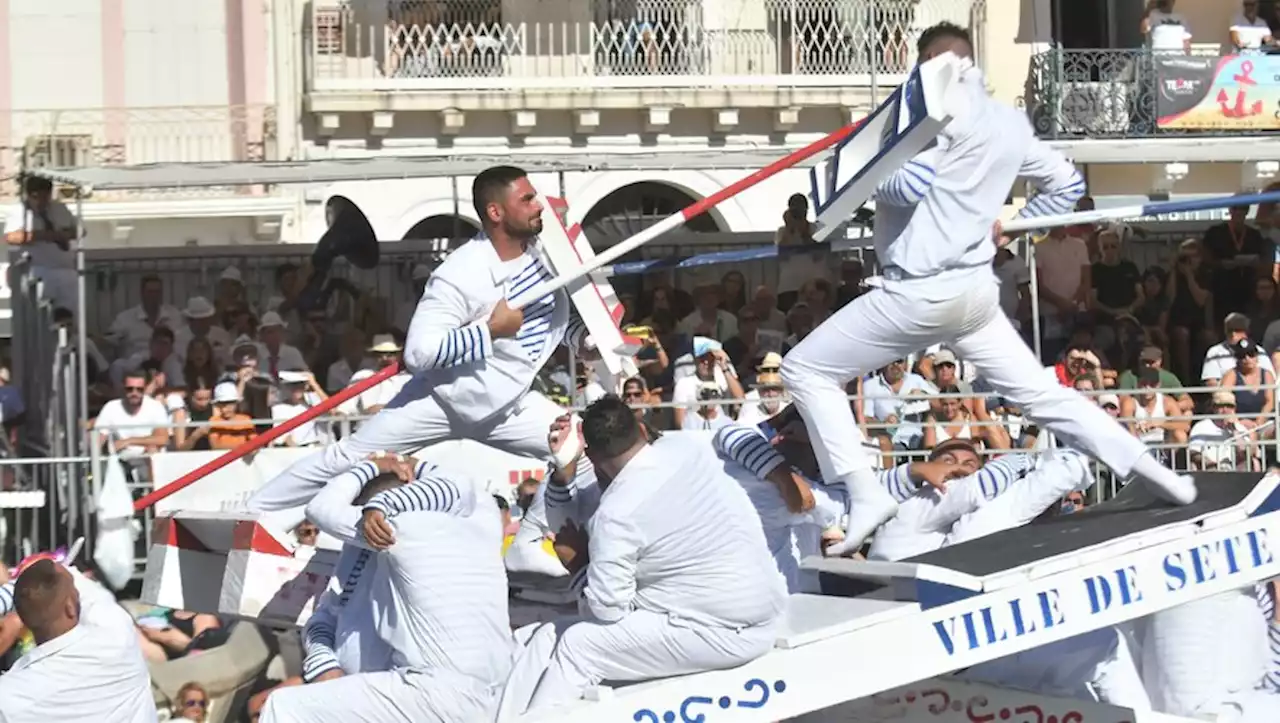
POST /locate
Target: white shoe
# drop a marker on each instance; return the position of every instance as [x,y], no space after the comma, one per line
[1180,490]
[870,506]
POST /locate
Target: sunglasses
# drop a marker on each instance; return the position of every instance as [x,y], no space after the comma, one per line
[1224,406]
[195,703]
[135,389]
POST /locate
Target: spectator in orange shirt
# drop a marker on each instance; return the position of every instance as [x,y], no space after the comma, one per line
[228,428]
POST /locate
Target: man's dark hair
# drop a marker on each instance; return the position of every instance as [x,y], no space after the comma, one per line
[283,269]
[609,427]
[382,482]
[940,31]
[149,279]
[137,373]
[502,502]
[36,594]
[162,332]
[490,186]
[953,445]
[37,184]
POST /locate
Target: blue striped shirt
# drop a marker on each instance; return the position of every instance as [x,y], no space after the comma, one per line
[6,598]
[1267,602]
[908,185]
[533,333]
[431,491]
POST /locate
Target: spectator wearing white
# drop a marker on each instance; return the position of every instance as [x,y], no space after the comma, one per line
[1015,286]
[711,365]
[1166,30]
[300,392]
[160,353]
[797,267]
[1221,357]
[708,319]
[201,324]
[899,399]
[404,313]
[1063,279]
[135,424]
[385,352]
[1222,442]
[131,330]
[1249,32]
[87,666]
[1153,416]
[765,302]
[352,360]
[709,415]
[43,227]
[229,292]
[769,399]
[273,353]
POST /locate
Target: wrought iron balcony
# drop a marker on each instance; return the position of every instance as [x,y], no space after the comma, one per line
[490,46]
[1077,94]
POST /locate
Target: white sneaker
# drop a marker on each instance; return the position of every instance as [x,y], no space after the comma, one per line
[1180,490]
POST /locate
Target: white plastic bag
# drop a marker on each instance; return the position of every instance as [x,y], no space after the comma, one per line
[113,552]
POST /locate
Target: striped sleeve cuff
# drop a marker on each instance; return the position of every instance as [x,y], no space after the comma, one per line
[6,598]
[898,482]
[318,663]
[1056,201]
[561,495]
[996,476]
[908,186]
[1271,680]
[576,335]
[430,494]
[748,448]
[470,343]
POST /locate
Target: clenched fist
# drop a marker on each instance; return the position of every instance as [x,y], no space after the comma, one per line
[505,321]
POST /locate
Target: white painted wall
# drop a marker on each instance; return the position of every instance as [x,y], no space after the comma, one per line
[56,53]
[175,53]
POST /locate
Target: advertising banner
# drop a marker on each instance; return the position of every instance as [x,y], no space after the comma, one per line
[1236,92]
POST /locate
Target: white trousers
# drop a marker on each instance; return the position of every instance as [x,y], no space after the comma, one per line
[1095,666]
[386,697]
[906,316]
[642,646]
[412,420]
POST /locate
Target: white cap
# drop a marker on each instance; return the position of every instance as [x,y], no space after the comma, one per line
[226,392]
[271,319]
[287,376]
[231,273]
[198,307]
[384,344]
[1105,399]
[421,272]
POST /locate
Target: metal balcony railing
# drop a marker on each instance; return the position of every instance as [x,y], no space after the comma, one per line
[490,45]
[1131,93]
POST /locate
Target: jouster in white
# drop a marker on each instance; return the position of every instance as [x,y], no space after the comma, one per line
[444,616]
[341,634]
[679,579]
[473,356]
[87,666]
[934,235]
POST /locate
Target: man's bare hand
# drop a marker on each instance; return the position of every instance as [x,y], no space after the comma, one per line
[505,321]
[571,546]
[796,492]
[402,466]
[377,531]
[998,235]
[937,474]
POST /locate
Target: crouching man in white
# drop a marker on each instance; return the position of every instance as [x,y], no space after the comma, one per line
[444,616]
[86,666]
[679,578]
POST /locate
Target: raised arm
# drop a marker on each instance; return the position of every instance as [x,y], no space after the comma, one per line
[440,333]
[430,491]
[333,510]
[908,185]
[1056,179]
[967,494]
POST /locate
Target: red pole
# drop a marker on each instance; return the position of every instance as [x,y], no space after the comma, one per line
[264,439]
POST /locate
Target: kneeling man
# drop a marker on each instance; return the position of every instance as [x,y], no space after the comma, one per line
[679,577]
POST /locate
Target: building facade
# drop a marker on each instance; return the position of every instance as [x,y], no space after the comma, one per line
[87,82]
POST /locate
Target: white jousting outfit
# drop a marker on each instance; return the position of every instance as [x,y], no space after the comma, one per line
[93,673]
[679,581]
[442,600]
[934,220]
[466,384]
